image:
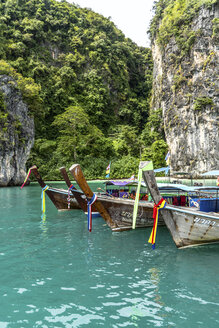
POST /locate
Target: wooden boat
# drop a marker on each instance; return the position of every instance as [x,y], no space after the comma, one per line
[188,226]
[59,197]
[117,212]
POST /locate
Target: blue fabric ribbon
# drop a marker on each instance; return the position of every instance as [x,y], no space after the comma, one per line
[89,211]
[69,197]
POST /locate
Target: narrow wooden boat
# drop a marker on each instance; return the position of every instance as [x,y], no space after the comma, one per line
[59,197]
[117,212]
[188,226]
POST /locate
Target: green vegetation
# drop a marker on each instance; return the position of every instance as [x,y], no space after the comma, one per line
[178,79]
[202,102]
[215,27]
[173,19]
[30,90]
[3,117]
[209,59]
[2,102]
[87,86]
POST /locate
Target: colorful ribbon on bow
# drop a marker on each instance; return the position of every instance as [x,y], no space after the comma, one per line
[28,174]
[89,211]
[69,192]
[43,198]
[157,208]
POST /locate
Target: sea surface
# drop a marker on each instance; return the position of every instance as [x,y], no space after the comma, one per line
[54,273]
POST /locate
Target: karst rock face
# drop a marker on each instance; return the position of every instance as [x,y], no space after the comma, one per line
[187,90]
[16,134]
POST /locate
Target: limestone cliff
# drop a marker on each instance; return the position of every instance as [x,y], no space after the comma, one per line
[16,133]
[186,86]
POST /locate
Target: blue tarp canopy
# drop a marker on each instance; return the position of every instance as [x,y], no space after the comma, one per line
[181,187]
[175,187]
[162,169]
[214,172]
[121,183]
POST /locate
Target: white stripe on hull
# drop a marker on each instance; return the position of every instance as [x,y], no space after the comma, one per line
[94,214]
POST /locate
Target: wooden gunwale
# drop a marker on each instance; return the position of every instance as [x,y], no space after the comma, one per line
[192,212]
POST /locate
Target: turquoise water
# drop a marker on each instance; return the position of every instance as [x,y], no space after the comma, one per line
[54,273]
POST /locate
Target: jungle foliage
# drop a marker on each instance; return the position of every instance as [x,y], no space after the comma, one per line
[87,86]
[173,18]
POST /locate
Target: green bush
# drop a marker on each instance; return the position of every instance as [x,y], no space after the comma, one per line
[202,102]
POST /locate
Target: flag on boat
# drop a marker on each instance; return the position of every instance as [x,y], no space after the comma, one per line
[167,158]
[108,171]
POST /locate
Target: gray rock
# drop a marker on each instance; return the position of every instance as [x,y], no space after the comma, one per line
[191,133]
[18,139]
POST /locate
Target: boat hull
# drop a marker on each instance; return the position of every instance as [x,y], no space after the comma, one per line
[60,199]
[192,227]
[121,212]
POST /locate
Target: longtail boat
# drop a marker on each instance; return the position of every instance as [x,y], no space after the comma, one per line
[117,212]
[188,226]
[59,197]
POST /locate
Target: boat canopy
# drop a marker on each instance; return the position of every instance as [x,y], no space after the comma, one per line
[181,187]
[162,169]
[121,183]
[175,187]
[214,172]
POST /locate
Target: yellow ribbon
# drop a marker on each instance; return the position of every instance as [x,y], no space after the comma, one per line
[157,208]
[44,198]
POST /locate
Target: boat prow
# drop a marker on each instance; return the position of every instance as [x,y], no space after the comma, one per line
[59,197]
[76,171]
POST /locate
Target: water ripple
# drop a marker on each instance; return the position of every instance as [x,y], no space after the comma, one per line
[198,299]
[54,273]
